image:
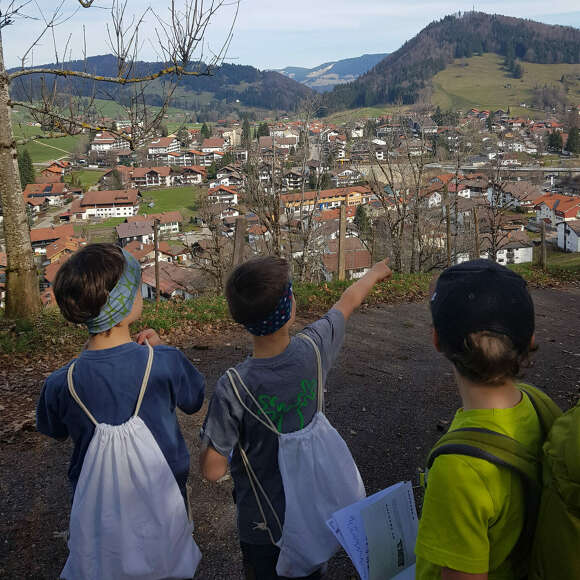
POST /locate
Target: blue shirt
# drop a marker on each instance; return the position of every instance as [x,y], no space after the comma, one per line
[108,382]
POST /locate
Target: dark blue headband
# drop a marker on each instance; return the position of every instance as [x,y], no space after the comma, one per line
[277,319]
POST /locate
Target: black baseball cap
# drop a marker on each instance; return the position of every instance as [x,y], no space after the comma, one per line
[482,295]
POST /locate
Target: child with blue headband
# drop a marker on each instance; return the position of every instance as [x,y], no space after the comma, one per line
[282,381]
[115,378]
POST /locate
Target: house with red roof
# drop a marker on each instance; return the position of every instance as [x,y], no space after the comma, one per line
[42,237]
[145,177]
[212,145]
[327,198]
[53,193]
[107,204]
[553,208]
[63,247]
[223,194]
[357,259]
[162,146]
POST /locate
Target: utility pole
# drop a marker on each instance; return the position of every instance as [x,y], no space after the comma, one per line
[156,244]
[543,252]
[342,243]
[239,241]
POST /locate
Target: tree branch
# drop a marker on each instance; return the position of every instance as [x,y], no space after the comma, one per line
[177,70]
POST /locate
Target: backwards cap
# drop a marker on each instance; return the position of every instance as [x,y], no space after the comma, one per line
[482,295]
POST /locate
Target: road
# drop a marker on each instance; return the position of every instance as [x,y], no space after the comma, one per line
[47,220]
[390,395]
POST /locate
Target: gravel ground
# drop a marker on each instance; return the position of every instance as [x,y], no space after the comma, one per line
[390,395]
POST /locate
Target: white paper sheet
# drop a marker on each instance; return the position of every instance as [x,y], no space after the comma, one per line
[379,532]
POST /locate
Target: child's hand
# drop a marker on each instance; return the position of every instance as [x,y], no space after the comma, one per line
[148,335]
[381,270]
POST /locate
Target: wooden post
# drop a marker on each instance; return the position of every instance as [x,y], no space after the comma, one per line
[342,243]
[239,241]
[448,225]
[156,245]
[543,252]
[476,226]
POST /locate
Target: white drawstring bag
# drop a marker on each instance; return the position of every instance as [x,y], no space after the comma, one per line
[319,477]
[128,518]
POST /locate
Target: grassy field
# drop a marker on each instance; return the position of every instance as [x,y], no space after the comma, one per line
[482,82]
[362,113]
[22,130]
[86,177]
[563,260]
[180,199]
[46,150]
[102,232]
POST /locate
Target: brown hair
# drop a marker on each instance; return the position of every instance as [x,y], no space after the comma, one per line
[254,288]
[488,357]
[83,282]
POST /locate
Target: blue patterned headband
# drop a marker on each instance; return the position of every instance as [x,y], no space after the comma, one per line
[121,298]
[277,319]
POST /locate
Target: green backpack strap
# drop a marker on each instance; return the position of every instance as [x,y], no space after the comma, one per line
[491,446]
[546,409]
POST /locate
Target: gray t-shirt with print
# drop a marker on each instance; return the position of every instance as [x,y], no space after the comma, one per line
[285,387]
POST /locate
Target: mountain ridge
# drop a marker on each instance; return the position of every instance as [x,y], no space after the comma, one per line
[230,85]
[327,75]
[405,75]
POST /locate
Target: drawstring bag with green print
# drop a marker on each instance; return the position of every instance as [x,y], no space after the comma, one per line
[319,477]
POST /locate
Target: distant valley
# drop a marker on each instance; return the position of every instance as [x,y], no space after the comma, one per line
[326,76]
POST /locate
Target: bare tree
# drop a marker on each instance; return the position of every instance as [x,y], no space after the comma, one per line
[397,179]
[307,259]
[492,212]
[213,255]
[54,101]
[262,196]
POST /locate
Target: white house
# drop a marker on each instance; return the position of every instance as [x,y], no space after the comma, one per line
[169,222]
[569,236]
[514,252]
[152,177]
[108,204]
[213,145]
[105,141]
[163,146]
[222,194]
[192,175]
[141,231]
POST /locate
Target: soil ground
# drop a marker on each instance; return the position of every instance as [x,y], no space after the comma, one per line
[390,395]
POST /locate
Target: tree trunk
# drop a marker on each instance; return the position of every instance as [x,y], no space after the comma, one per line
[22,291]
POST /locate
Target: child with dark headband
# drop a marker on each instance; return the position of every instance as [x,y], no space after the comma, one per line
[114,379]
[282,378]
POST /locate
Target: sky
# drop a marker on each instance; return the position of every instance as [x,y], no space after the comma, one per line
[268,34]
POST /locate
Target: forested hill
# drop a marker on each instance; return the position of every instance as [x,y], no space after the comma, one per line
[403,75]
[228,84]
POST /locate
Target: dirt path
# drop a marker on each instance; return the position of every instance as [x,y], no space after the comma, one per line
[387,395]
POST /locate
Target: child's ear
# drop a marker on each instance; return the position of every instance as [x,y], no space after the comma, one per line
[436,340]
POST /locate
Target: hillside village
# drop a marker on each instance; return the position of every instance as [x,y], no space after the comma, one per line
[483,188]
